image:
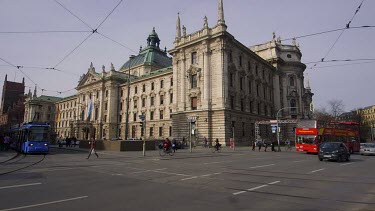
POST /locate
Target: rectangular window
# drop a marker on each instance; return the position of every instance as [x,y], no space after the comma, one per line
[122,93]
[152,86]
[96,113]
[135,103]
[134,117]
[135,90]
[170,113]
[170,130]
[152,101]
[161,84]
[241,83]
[231,78]
[240,61]
[243,128]
[230,57]
[161,116]
[121,106]
[194,81]
[105,118]
[248,66]
[144,88]
[143,102]
[106,93]
[194,103]
[171,98]
[258,90]
[160,131]
[171,82]
[151,115]
[161,99]
[151,131]
[251,106]
[194,58]
[232,102]
[106,106]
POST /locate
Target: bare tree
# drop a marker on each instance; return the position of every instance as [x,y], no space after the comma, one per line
[322,116]
[336,107]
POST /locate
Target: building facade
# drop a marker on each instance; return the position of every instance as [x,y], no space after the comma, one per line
[213,87]
[12,104]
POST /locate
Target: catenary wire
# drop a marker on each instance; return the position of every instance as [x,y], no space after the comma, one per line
[74,15]
[41,32]
[109,14]
[116,42]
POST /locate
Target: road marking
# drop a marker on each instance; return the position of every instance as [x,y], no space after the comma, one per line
[189,178]
[345,164]
[218,162]
[315,171]
[144,171]
[272,183]
[254,167]
[46,203]
[296,161]
[206,175]
[217,173]
[256,188]
[18,186]
[239,192]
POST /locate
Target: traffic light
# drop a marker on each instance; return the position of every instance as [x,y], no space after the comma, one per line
[141,124]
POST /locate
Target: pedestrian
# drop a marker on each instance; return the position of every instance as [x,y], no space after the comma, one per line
[205,142]
[265,145]
[1,143]
[259,143]
[273,146]
[74,139]
[6,143]
[183,141]
[92,148]
[174,145]
[254,145]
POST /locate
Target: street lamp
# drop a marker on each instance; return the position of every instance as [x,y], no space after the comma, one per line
[127,102]
[277,127]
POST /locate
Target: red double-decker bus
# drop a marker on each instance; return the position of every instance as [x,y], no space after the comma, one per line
[308,137]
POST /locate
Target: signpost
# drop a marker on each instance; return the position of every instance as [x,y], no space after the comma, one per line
[190,120]
[143,118]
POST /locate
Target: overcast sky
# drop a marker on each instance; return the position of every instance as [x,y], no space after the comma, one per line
[250,21]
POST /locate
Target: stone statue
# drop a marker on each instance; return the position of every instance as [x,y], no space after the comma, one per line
[103,68]
[273,36]
[112,67]
[205,22]
[279,40]
[294,41]
[183,31]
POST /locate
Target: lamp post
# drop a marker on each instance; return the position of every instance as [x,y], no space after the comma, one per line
[277,127]
[127,102]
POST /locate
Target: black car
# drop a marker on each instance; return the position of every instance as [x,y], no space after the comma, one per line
[333,151]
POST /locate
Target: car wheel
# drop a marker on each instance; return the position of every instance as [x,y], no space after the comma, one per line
[339,158]
[321,159]
[348,158]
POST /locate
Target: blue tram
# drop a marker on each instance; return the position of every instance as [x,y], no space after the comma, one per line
[31,138]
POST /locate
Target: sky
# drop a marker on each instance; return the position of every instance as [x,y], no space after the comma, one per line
[250,21]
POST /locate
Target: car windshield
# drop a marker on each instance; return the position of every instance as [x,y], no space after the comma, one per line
[369,146]
[38,134]
[328,145]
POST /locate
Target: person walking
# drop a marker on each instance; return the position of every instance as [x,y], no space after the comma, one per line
[254,145]
[259,143]
[205,142]
[265,145]
[92,148]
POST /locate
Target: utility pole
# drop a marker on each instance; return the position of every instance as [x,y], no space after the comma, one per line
[127,101]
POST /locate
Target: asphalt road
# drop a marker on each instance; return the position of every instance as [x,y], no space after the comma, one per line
[230,180]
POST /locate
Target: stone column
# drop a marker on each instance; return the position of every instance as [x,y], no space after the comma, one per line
[207,78]
[183,83]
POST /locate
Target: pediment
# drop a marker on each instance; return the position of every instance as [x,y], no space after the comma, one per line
[88,78]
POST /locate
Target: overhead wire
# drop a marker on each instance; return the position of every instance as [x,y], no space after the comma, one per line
[105,36]
[337,39]
[74,14]
[40,32]
[350,64]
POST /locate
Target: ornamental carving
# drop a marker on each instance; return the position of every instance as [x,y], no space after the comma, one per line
[194,92]
[194,70]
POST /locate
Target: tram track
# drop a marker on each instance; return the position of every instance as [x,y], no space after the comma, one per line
[12,158]
[23,167]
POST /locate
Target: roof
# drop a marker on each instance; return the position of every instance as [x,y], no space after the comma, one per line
[49,98]
[151,55]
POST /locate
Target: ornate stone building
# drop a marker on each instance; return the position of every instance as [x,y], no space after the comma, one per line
[213,84]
